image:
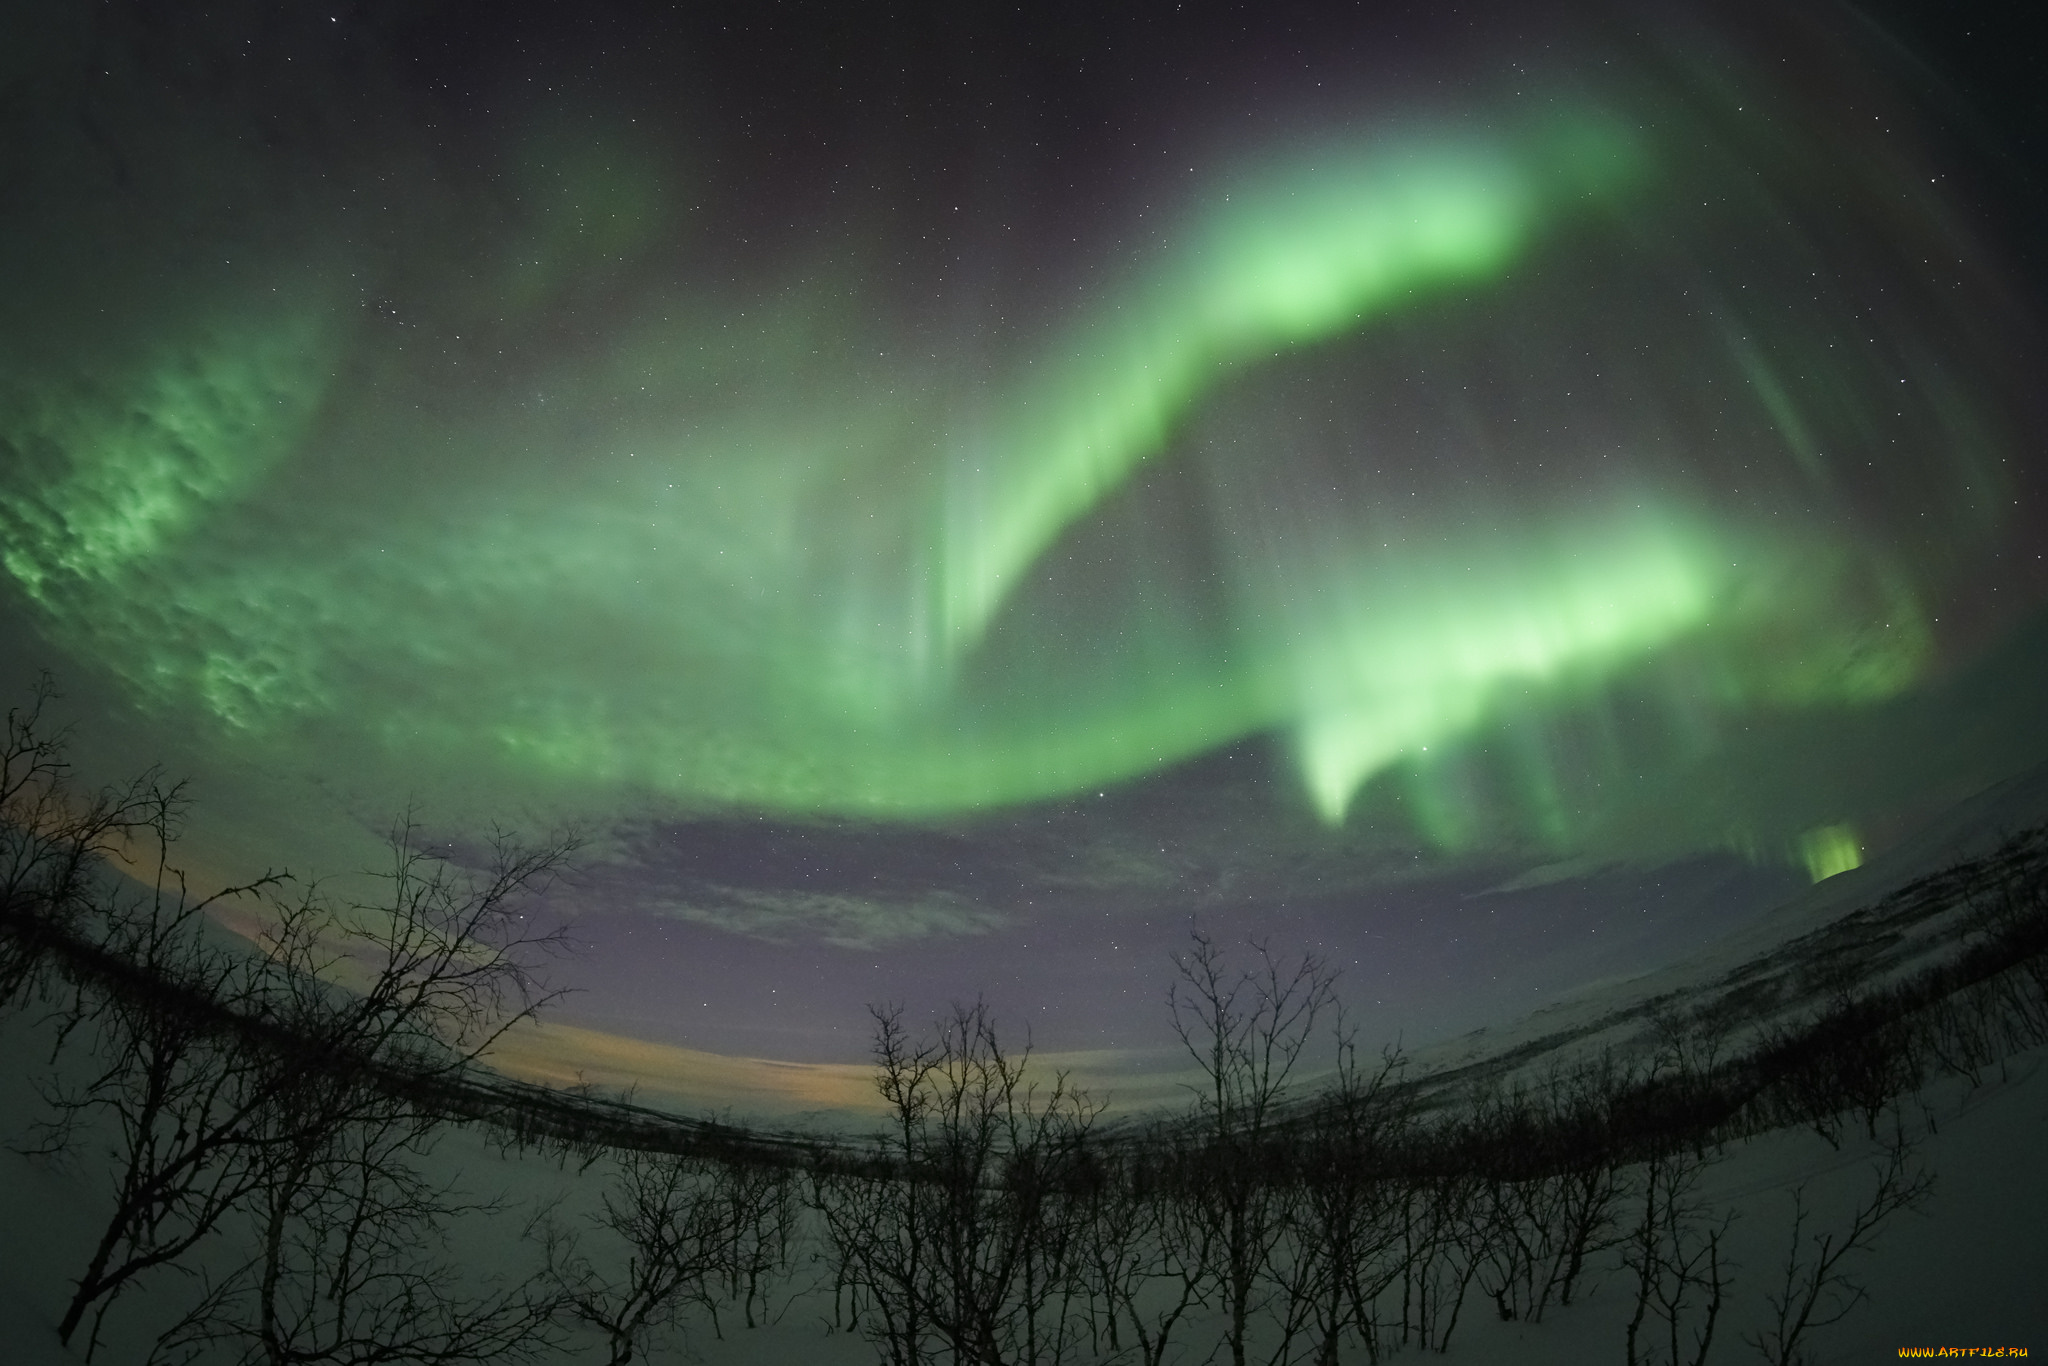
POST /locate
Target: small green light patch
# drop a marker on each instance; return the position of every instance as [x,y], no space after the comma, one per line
[1830,849]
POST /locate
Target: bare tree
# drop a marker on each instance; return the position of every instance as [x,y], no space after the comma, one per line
[1442,1238]
[877,1229]
[352,1265]
[365,1005]
[54,841]
[1588,1175]
[1247,1031]
[1514,1197]
[1550,1180]
[679,1230]
[1143,1263]
[1814,1288]
[434,969]
[1347,1224]
[175,1087]
[1674,1250]
[962,1237]
[763,1209]
[232,1075]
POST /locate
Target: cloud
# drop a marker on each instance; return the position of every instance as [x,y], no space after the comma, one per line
[567,1055]
[835,918]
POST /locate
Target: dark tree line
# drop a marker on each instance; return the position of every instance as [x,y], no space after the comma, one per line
[1274,1222]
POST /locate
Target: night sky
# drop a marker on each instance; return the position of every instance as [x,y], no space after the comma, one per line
[946,497]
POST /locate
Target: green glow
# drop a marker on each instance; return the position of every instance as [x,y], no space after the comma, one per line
[1419,655]
[1830,849]
[1303,255]
[770,553]
[107,479]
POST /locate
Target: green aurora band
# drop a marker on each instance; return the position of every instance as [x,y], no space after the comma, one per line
[743,558]
[1314,252]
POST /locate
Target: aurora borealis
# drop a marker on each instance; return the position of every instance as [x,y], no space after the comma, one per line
[1550,442]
